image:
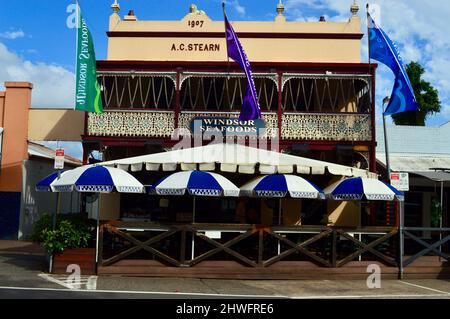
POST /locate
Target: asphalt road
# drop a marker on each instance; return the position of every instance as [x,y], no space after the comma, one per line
[23,276]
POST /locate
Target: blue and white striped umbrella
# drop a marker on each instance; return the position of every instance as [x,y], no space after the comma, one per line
[280,185]
[44,185]
[360,188]
[197,183]
[97,179]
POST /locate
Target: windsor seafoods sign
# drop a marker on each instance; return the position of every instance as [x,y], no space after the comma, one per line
[227,126]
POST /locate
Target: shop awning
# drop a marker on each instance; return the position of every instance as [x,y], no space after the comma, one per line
[235,158]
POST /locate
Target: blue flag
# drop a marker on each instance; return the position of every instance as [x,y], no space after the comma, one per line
[250,108]
[383,50]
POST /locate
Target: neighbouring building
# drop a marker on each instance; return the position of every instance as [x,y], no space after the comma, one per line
[424,153]
[23,164]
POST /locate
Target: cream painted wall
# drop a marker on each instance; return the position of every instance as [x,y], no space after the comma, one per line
[55,125]
[258,49]
[109,206]
[343,214]
[292,210]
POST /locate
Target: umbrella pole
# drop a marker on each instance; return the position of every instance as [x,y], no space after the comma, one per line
[58,204]
[279,212]
[97,230]
[279,224]
[193,233]
[402,238]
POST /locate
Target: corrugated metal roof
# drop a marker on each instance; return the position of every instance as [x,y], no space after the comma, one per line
[412,164]
[415,140]
[39,150]
[438,176]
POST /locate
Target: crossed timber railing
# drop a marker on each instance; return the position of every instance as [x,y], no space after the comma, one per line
[321,245]
[433,247]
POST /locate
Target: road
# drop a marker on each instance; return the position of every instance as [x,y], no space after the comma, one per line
[23,276]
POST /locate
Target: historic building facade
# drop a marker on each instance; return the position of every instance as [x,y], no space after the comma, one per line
[314,92]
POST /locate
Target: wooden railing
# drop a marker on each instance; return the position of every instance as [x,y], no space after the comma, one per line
[251,245]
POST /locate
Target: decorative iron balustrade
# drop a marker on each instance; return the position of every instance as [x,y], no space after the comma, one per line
[332,127]
[295,126]
[138,90]
[225,91]
[326,93]
[145,124]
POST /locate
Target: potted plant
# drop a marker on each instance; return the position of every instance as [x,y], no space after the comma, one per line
[71,242]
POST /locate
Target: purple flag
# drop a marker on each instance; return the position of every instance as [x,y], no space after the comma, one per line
[250,108]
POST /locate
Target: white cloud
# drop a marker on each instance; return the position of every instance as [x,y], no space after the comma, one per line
[54,86]
[237,7]
[12,35]
[420,28]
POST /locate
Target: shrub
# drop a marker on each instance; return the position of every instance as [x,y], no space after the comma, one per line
[71,231]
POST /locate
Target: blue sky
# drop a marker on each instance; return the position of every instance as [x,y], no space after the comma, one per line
[37,46]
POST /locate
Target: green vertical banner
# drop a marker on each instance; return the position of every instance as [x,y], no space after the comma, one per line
[88,94]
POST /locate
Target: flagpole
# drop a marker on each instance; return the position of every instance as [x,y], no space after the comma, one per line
[368,37]
[386,143]
[77,22]
[372,77]
[226,41]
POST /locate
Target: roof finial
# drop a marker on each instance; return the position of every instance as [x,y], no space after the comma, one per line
[354,9]
[193,8]
[280,7]
[115,7]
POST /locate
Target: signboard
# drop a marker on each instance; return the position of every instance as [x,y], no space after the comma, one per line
[59,159]
[400,181]
[227,126]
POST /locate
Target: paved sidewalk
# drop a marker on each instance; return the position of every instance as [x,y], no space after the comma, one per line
[23,269]
[21,247]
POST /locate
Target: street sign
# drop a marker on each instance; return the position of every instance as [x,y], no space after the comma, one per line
[400,181]
[59,158]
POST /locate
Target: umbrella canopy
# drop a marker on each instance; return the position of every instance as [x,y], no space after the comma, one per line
[196,183]
[98,179]
[359,188]
[281,185]
[44,185]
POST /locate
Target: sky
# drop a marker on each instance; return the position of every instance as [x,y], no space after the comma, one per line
[36,44]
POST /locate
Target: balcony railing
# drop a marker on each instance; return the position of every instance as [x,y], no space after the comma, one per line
[131,124]
[295,126]
[326,127]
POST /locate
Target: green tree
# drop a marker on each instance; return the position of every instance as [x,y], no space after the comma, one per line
[426,95]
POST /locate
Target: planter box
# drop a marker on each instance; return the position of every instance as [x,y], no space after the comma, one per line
[83,257]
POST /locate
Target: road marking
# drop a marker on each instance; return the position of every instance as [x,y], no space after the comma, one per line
[369,296]
[423,287]
[89,282]
[146,292]
[226,295]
